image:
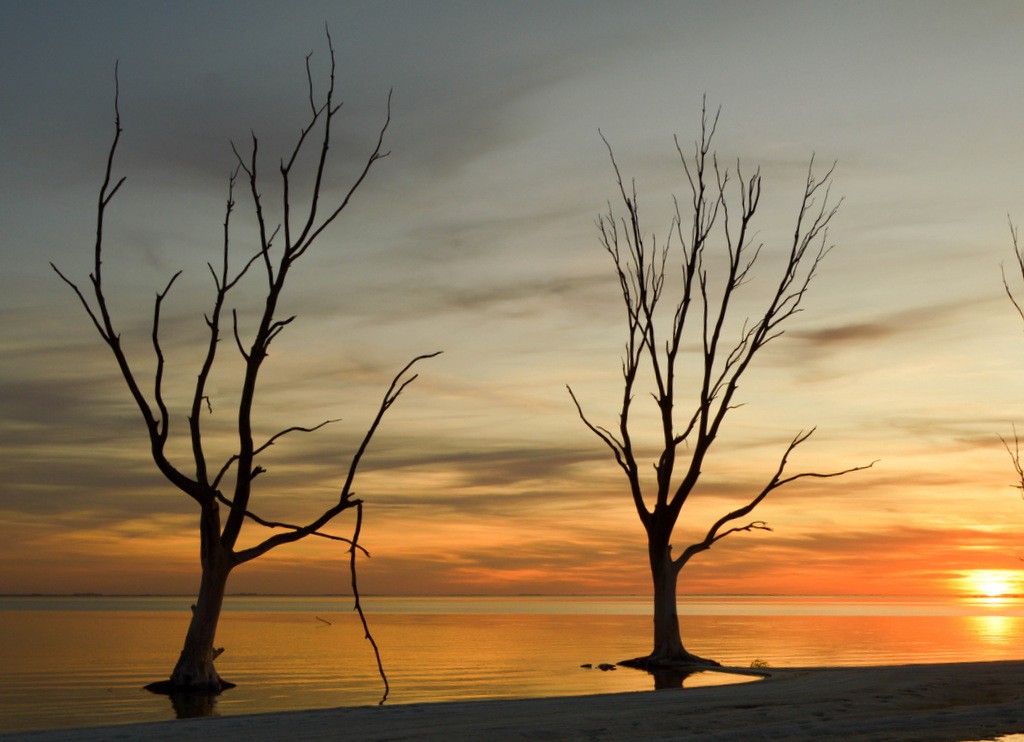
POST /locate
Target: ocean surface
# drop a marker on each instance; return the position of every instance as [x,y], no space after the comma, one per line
[82,661]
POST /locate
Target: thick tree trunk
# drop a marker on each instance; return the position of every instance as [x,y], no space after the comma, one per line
[668,644]
[668,650]
[195,670]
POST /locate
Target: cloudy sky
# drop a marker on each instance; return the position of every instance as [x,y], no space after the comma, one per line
[477,236]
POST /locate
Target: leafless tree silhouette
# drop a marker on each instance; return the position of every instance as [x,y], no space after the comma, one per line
[230,483]
[693,391]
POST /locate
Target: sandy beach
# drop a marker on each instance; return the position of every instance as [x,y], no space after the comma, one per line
[960,701]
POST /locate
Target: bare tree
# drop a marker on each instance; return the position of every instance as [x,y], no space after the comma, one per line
[230,483]
[694,390]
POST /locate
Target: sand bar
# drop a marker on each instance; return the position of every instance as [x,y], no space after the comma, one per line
[960,701]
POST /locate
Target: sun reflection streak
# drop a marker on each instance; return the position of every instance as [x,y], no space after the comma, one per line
[998,630]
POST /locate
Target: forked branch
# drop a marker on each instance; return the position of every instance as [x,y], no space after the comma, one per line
[277,524]
[99,314]
[1018,465]
[345,499]
[395,389]
[715,533]
[270,441]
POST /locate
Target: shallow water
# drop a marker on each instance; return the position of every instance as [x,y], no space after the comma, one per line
[82,661]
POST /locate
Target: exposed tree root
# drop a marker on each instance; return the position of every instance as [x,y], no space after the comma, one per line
[685,661]
[170,688]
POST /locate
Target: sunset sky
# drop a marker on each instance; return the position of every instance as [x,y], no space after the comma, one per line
[477,236]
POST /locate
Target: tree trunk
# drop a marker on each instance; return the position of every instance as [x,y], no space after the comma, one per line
[195,670]
[668,644]
[668,650]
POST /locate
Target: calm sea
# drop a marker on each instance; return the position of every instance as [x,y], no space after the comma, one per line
[82,661]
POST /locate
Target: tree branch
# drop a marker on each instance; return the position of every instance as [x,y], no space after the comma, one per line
[1018,254]
[715,533]
[309,233]
[245,557]
[345,499]
[158,393]
[1018,465]
[270,441]
[623,457]
[102,321]
[395,389]
[358,606]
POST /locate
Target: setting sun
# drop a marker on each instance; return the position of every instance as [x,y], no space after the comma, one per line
[991,583]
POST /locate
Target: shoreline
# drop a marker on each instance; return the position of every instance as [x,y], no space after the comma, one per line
[935,702]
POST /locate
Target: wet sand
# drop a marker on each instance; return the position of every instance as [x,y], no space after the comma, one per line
[958,701]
